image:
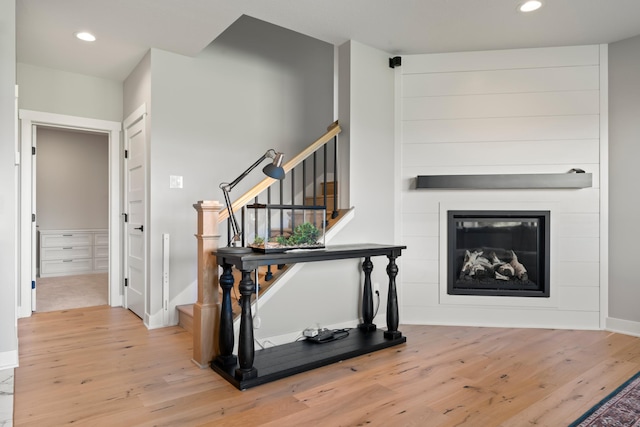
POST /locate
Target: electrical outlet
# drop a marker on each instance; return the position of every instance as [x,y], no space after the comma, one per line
[376,288]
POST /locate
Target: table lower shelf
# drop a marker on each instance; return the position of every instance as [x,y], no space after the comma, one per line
[281,361]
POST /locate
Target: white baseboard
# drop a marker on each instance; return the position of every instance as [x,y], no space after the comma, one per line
[154,321]
[8,359]
[622,326]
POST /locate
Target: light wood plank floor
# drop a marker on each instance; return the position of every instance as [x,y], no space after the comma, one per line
[100,367]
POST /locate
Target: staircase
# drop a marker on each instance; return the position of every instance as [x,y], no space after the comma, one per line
[300,170]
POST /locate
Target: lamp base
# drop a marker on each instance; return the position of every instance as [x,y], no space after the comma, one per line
[236,250]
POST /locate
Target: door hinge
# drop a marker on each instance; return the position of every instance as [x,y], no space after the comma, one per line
[33,217]
[33,151]
[126,154]
[126,282]
[126,217]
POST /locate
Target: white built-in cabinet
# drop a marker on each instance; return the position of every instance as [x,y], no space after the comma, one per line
[68,252]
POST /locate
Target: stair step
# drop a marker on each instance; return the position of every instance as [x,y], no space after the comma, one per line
[330,187]
[185,316]
[319,201]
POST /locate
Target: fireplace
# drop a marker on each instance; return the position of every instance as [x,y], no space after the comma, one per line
[498,253]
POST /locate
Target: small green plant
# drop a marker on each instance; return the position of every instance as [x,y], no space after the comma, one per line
[304,234]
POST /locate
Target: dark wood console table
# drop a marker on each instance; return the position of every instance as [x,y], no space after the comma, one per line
[251,368]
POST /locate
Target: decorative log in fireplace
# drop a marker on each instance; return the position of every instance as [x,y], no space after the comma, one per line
[498,253]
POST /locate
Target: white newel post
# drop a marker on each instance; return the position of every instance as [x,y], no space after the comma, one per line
[206,311]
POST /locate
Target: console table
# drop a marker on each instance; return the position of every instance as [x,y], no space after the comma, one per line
[251,368]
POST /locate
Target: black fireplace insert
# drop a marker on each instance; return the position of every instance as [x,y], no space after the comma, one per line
[498,253]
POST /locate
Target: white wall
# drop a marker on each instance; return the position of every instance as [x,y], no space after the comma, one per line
[502,112]
[137,87]
[9,193]
[72,179]
[61,92]
[624,152]
[256,87]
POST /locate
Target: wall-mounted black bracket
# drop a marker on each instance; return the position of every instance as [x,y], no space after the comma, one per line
[394,62]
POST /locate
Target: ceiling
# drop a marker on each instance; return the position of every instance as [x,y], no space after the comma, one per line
[126,29]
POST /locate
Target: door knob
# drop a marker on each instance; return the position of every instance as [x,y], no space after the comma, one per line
[141,228]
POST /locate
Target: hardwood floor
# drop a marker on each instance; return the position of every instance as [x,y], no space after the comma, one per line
[101,367]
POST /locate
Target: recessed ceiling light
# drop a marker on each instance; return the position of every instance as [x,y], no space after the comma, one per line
[530,6]
[83,35]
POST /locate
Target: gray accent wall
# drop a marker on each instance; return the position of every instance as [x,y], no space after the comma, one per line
[624,195]
[8,195]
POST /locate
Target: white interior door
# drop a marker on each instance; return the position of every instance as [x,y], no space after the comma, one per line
[34,230]
[135,240]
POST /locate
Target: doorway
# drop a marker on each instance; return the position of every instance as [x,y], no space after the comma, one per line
[29,123]
[72,222]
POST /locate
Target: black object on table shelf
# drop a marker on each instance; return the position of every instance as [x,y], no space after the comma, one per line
[251,368]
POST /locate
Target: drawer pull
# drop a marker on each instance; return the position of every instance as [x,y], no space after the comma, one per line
[67,248]
[67,260]
[67,235]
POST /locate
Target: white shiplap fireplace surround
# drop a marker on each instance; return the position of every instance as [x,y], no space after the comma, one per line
[525,111]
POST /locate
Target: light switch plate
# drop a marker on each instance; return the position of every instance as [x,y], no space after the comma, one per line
[175,181]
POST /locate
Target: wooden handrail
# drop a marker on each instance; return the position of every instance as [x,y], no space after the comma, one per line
[332,131]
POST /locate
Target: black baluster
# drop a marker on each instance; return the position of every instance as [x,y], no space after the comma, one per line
[324,173]
[304,182]
[315,179]
[334,214]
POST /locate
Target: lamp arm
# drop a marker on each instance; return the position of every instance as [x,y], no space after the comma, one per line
[232,216]
[226,187]
[270,153]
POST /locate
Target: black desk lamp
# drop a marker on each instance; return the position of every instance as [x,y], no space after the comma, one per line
[273,170]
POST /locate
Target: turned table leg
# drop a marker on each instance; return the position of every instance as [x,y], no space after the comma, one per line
[367,298]
[246,351]
[392,301]
[225,337]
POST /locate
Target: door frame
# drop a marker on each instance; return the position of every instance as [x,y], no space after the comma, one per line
[27,274]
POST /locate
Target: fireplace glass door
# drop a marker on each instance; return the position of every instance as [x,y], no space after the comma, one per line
[498,253]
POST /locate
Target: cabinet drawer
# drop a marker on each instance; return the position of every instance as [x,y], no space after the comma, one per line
[66,240]
[66,252]
[101,239]
[63,267]
[101,252]
[101,264]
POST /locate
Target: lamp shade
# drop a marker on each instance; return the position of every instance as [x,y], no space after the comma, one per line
[273,171]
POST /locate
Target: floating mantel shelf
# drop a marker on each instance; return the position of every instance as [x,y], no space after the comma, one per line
[506,181]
